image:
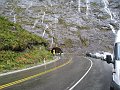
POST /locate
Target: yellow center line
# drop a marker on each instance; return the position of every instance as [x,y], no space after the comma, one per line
[33,76]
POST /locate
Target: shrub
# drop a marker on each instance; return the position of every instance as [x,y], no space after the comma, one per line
[17,39]
[19,47]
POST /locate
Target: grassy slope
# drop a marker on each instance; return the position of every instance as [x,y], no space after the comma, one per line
[19,48]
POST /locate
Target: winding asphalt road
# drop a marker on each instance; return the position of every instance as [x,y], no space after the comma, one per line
[75,73]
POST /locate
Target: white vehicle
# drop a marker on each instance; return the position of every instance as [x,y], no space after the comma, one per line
[98,55]
[103,57]
[115,84]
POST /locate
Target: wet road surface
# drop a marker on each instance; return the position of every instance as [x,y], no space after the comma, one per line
[65,77]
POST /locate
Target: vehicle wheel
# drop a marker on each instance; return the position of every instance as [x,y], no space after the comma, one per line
[111,88]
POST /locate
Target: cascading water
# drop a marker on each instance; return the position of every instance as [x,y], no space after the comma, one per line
[15,18]
[49,1]
[56,21]
[87,7]
[71,2]
[113,30]
[52,39]
[79,4]
[88,14]
[11,12]
[36,21]
[106,3]
[114,15]
[43,17]
[30,5]
[46,27]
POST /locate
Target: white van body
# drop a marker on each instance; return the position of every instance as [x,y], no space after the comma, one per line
[115,85]
[103,56]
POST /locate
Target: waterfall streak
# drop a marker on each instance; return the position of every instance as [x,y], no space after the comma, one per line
[15,18]
[106,3]
[45,30]
[87,7]
[113,30]
[36,21]
[79,4]
[43,17]
[30,5]
[49,1]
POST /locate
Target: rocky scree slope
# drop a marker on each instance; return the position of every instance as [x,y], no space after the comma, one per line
[60,21]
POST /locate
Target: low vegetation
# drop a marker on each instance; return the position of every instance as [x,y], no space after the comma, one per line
[63,22]
[84,41]
[83,27]
[68,43]
[103,17]
[19,47]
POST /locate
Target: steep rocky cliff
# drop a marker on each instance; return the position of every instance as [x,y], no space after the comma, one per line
[76,26]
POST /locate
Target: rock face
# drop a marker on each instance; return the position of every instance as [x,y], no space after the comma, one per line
[61,23]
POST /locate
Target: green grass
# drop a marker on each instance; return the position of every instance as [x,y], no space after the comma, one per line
[11,60]
[19,47]
[12,36]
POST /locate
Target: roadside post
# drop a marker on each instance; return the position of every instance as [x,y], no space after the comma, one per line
[44,61]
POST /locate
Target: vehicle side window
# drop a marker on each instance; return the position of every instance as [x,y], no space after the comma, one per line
[117,51]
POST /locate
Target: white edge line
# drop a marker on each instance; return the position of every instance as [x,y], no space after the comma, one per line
[3,74]
[82,76]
